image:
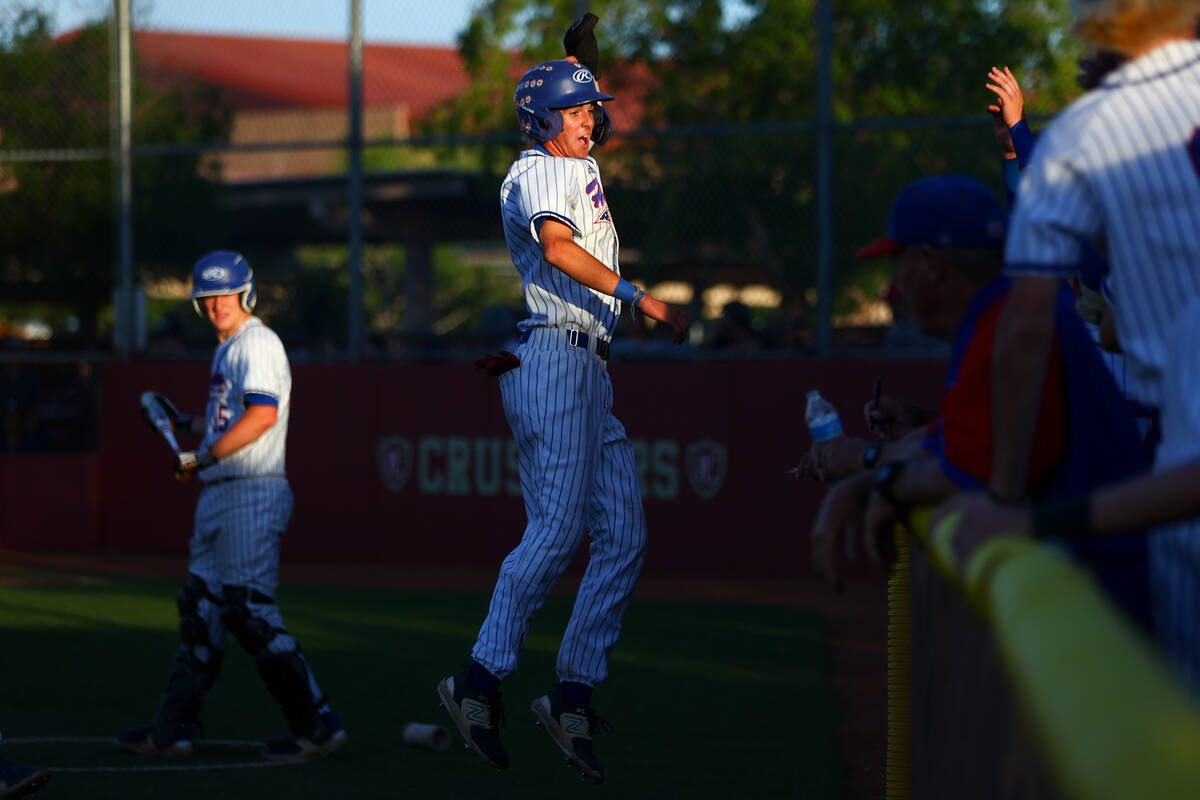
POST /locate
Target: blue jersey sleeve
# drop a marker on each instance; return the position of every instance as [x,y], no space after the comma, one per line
[1023,141]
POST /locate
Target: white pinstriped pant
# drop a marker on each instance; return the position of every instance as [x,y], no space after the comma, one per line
[239,527]
[578,474]
[1174,553]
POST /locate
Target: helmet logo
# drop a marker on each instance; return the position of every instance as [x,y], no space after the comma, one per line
[582,76]
[213,274]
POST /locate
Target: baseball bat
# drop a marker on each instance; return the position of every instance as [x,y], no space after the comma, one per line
[160,419]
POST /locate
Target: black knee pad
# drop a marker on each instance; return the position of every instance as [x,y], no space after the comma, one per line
[253,633]
[193,628]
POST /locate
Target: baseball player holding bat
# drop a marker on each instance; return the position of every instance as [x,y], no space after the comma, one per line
[576,464]
[240,518]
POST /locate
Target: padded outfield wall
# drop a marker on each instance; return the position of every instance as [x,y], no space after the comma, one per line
[412,463]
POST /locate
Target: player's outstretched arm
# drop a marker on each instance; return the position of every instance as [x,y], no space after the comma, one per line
[670,315]
[560,249]
[1146,501]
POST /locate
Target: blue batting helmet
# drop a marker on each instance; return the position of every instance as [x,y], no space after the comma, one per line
[223,272]
[548,87]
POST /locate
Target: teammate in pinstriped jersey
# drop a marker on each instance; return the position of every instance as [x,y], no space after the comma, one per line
[577,469]
[1119,168]
[1017,143]
[242,513]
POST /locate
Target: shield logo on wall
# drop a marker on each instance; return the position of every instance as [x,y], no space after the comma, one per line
[394,456]
[706,462]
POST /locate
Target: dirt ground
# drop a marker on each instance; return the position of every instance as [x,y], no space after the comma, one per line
[855,621]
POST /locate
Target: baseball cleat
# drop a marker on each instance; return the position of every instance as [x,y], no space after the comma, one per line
[302,748]
[571,728]
[141,739]
[478,717]
[20,781]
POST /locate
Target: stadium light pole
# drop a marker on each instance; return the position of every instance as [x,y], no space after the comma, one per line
[824,176]
[123,318]
[355,189]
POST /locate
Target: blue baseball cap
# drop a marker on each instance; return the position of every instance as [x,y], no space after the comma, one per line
[946,211]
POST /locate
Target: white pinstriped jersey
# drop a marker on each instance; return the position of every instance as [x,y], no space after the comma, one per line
[251,361]
[540,186]
[1121,167]
[1181,401]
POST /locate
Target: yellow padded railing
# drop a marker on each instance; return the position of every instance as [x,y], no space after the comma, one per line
[1111,720]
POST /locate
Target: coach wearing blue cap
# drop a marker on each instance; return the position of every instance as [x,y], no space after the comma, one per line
[946,236]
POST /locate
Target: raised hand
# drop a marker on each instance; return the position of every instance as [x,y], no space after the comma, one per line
[1010,103]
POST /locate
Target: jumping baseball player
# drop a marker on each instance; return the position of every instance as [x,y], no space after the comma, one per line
[240,519]
[1119,168]
[577,468]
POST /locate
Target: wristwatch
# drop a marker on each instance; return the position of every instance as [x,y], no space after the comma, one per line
[871,454]
[886,477]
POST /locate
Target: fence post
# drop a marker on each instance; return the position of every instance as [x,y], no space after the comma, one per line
[122,135]
[824,176]
[355,189]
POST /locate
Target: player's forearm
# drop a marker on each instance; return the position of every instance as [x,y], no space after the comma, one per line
[1024,335]
[257,420]
[1148,500]
[923,482]
[903,449]
[579,264]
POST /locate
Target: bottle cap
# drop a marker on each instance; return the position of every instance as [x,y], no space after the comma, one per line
[814,393]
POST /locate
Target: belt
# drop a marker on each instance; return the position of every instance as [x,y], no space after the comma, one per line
[576,338]
[219,481]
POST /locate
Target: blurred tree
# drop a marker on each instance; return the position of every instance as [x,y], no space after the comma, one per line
[708,205]
[56,216]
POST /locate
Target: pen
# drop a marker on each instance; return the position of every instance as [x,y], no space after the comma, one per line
[875,402]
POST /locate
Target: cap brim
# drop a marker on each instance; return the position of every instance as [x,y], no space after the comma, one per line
[883,247]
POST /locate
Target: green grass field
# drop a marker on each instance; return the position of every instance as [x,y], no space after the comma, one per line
[708,701]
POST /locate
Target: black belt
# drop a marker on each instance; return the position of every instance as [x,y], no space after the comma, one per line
[578,339]
[219,481]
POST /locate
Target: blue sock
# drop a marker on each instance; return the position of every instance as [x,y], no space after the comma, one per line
[577,694]
[481,680]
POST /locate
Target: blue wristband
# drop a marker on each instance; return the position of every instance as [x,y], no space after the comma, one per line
[1023,141]
[626,291]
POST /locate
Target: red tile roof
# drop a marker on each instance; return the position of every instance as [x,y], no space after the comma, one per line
[262,73]
[298,73]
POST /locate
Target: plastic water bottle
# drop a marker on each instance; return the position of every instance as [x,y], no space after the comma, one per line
[822,418]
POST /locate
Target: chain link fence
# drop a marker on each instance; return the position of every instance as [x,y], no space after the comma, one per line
[242,138]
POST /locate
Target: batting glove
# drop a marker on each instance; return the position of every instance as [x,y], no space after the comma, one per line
[189,462]
[498,365]
[580,41]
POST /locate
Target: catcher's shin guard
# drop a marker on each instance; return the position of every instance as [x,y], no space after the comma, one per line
[284,670]
[196,666]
